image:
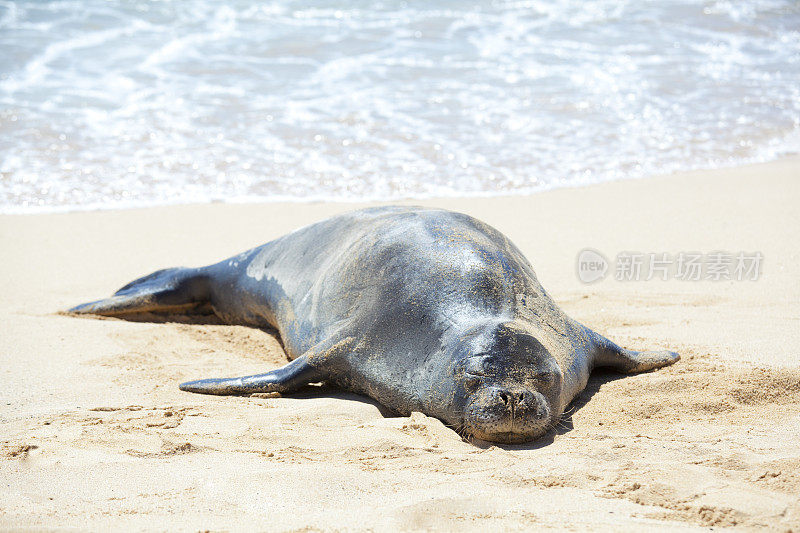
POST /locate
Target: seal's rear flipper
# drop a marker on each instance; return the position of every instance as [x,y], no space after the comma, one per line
[288,378]
[163,291]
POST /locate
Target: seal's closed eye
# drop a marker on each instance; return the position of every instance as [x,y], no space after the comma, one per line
[548,377]
[475,365]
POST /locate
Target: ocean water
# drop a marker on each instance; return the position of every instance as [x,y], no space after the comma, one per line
[121,103]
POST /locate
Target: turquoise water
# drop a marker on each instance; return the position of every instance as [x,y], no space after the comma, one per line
[112,104]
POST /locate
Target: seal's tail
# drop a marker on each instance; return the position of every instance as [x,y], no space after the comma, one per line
[164,291]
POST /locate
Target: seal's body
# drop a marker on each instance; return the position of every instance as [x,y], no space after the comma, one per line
[421,309]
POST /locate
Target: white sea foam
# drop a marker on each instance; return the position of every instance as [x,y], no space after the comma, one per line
[111,104]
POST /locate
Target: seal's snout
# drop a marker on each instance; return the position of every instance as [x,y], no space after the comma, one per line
[507,415]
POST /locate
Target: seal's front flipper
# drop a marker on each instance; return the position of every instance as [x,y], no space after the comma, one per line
[632,362]
[288,378]
[163,291]
[317,364]
[628,361]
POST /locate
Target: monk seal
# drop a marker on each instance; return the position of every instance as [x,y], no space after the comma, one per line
[420,309]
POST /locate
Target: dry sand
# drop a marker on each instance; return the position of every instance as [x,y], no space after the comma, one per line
[95,434]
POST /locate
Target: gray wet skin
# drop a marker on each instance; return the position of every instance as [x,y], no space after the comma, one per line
[420,309]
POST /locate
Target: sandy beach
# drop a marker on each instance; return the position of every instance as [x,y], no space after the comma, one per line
[94,433]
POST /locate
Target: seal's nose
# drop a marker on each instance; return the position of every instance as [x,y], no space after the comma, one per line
[511,399]
[506,397]
[521,404]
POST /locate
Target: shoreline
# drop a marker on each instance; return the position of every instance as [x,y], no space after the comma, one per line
[246,200]
[95,430]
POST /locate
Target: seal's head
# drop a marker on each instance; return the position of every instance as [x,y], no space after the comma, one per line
[510,384]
